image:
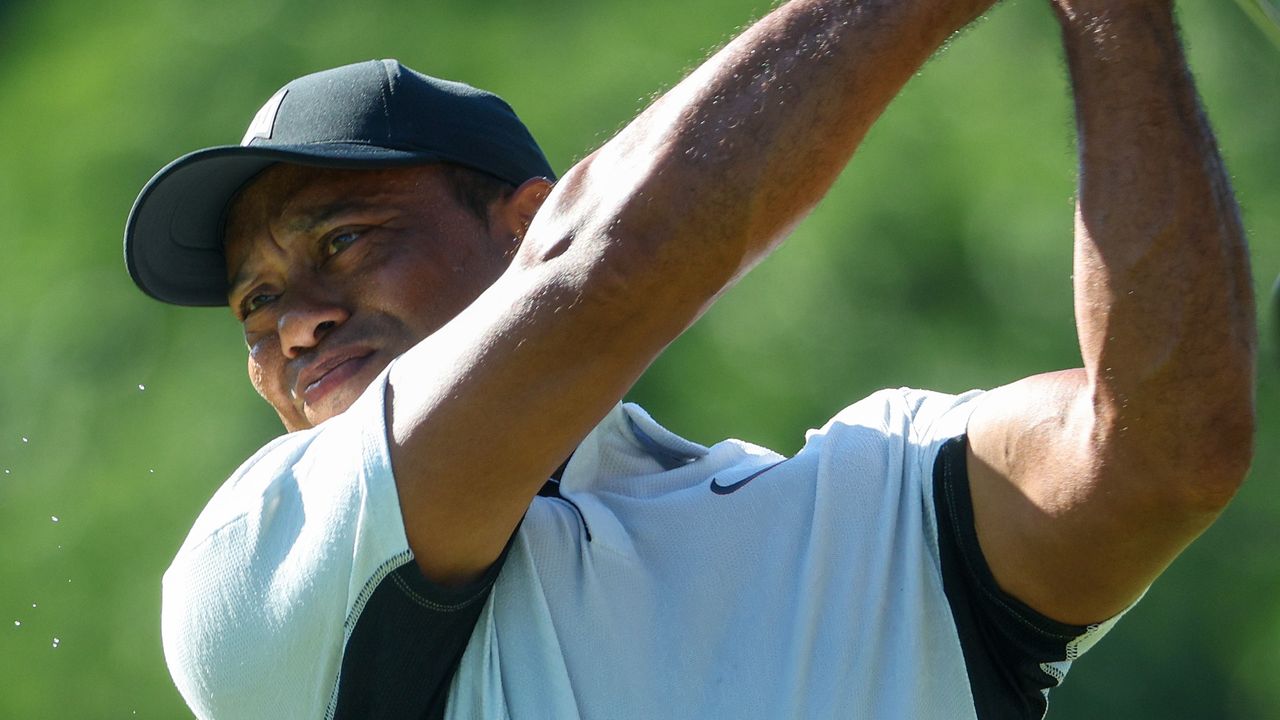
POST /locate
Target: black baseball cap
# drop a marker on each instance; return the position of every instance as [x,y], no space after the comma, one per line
[372,114]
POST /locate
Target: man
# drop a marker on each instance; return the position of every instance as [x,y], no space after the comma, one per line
[440,328]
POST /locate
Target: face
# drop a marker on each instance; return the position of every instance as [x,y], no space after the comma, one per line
[334,273]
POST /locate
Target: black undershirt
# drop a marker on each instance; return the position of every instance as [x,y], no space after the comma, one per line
[1003,640]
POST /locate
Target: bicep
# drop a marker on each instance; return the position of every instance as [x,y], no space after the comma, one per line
[1071,521]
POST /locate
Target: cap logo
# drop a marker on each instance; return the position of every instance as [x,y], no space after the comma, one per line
[265,121]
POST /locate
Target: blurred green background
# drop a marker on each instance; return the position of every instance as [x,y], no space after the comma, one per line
[940,260]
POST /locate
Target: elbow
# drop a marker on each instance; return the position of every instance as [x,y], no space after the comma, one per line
[1221,453]
[1221,421]
[1208,456]
[1188,448]
[622,236]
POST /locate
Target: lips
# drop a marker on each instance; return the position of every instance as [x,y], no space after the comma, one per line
[329,372]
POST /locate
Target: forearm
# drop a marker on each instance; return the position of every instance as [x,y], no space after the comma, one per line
[630,247]
[717,170]
[1164,304]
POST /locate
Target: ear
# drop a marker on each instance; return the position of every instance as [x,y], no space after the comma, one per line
[511,217]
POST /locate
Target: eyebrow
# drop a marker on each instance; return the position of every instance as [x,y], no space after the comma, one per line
[234,288]
[308,220]
[304,222]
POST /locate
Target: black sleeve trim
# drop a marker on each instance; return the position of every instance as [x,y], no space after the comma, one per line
[1005,642]
[406,645]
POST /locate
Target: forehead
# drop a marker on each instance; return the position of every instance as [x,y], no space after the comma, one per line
[296,197]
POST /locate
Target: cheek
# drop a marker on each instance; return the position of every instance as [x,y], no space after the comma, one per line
[265,374]
[257,373]
[453,282]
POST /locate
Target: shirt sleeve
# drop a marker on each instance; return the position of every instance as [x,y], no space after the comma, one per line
[1013,654]
[294,575]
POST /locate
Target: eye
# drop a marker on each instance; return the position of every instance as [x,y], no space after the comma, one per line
[339,241]
[255,301]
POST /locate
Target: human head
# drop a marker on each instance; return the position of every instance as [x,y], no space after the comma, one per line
[336,272]
[373,116]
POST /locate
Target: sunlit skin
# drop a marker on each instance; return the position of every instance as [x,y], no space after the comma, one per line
[334,273]
[1085,483]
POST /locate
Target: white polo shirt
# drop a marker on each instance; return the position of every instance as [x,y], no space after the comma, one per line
[658,579]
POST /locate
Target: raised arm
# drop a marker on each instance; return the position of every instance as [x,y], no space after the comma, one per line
[632,245]
[1087,483]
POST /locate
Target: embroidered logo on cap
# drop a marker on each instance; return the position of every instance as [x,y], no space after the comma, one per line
[265,121]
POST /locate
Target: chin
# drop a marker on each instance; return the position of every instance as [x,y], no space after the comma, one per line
[332,406]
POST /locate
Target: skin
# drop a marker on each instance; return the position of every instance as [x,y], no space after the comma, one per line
[366,263]
[1086,483]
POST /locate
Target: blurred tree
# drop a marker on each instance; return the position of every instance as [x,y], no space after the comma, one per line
[941,259]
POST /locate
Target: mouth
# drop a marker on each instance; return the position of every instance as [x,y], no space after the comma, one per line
[322,378]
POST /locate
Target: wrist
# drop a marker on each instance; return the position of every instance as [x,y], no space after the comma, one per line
[1093,15]
[1111,32]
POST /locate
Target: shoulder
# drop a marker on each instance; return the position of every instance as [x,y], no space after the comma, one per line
[257,480]
[322,468]
[913,418]
[277,564]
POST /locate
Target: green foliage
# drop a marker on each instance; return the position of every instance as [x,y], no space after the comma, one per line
[940,260]
[1266,14]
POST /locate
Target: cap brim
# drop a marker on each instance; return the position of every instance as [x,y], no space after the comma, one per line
[173,239]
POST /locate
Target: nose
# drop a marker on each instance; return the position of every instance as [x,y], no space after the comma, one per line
[305,323]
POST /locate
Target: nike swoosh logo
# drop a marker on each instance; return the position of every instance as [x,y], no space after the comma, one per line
[719,489]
